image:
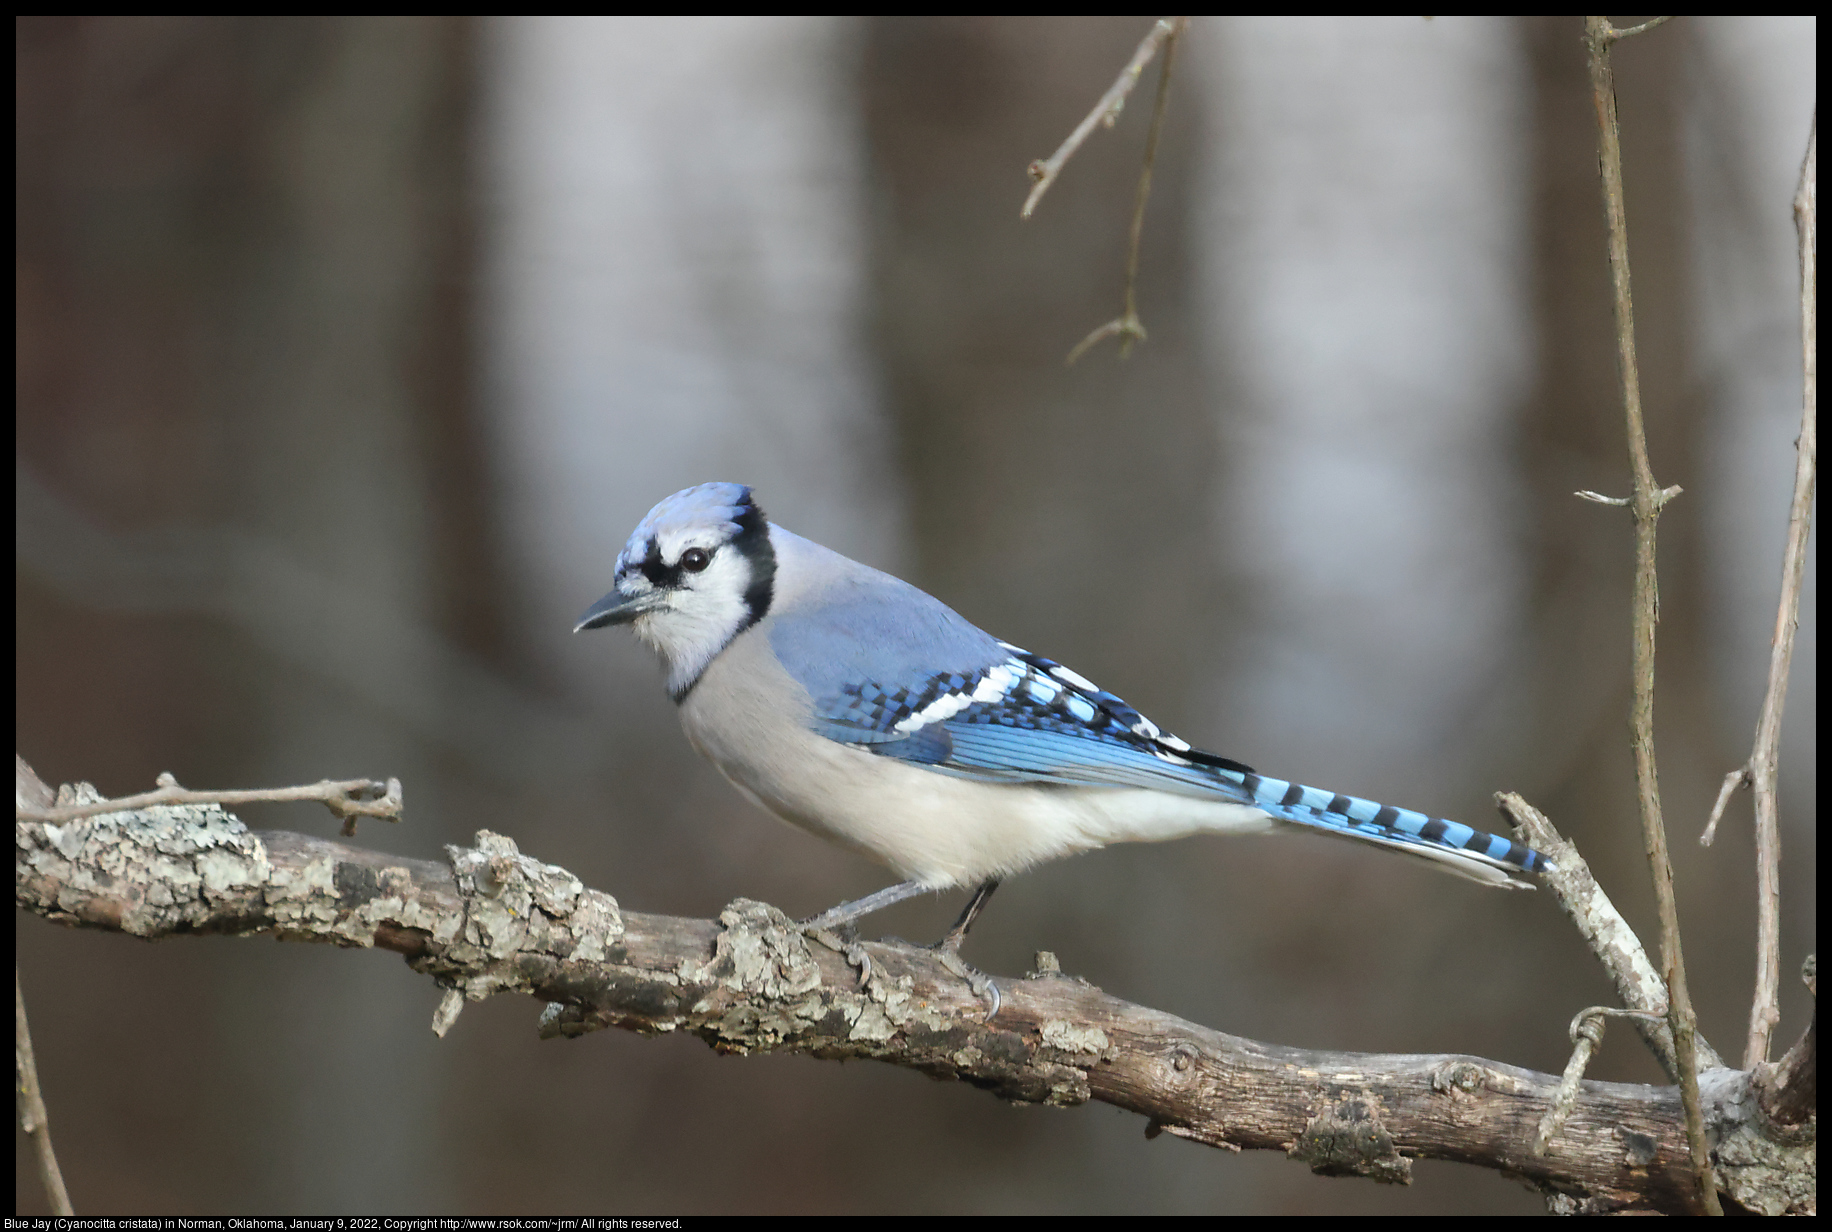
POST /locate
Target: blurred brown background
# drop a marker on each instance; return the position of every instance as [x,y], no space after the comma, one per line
[349,350]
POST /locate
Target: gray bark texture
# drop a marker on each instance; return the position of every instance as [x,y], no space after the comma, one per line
[492,920]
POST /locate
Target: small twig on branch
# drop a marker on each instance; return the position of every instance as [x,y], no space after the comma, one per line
[348,800]
[1735,779]
[32,1118]
[1586,1037]
[1615,36]
[1647,501]
[1045,170]
[1623,502]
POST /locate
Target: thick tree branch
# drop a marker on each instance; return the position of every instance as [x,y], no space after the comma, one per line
[494,920]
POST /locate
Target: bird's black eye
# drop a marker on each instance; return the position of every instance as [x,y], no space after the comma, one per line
[693,560]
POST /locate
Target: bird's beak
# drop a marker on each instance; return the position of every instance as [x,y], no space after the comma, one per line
[617,608]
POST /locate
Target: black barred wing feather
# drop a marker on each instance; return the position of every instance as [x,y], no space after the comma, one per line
[1026,719]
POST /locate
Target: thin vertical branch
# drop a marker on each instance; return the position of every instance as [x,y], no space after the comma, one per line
[32,1107]
[1764,762]
[1646,504]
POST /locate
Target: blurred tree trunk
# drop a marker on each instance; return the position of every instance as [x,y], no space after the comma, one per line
[243,294]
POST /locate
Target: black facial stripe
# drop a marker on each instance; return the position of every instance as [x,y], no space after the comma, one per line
[753,543]
[664,576]
[660,576]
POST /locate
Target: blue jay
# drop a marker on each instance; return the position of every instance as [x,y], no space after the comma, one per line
[863,710]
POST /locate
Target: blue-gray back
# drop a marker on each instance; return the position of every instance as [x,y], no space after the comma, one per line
[870,627]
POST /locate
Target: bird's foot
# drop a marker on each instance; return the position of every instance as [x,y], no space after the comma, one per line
[827,934]
[842,939]
[982,984]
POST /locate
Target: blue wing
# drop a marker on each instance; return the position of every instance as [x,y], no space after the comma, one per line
[1021,719]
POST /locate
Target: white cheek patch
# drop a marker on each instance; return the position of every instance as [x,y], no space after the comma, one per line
[700,618]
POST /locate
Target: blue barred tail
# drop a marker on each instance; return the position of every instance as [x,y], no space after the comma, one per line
[1483,857]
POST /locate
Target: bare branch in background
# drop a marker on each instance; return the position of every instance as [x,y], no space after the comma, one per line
[1165,32]
[1127,326]
[1648,499]
[493,920]
[1762,772]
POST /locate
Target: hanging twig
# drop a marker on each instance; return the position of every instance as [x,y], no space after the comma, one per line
[1646,504]
[1164,33]
[32,1117]
[1045,170]
[1127,325]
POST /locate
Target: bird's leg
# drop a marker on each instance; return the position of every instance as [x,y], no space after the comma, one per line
[846,913]
[949,949]
[976,904]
